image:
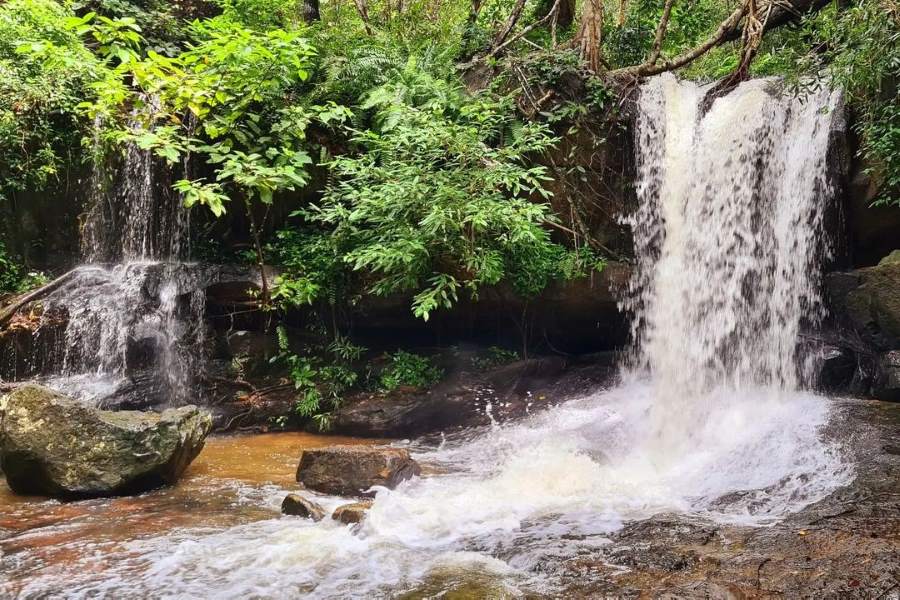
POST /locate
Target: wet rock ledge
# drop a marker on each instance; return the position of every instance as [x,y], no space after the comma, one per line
[845,546]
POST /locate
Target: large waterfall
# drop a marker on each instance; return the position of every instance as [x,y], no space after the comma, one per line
[729,241]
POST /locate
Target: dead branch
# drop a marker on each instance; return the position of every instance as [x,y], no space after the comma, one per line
[728,26]
[525,31]
[754,28]
[510,22]
[11,309]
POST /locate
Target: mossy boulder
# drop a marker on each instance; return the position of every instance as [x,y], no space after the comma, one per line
[55,446]
[870,299]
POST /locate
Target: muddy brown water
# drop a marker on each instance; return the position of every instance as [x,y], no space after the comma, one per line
[225,486]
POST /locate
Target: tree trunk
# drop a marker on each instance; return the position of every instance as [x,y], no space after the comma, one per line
[363,9]
[590,34]
[311,11]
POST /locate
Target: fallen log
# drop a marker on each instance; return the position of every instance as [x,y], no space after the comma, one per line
[7,312]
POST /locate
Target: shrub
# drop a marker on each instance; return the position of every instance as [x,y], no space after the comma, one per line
[408,369]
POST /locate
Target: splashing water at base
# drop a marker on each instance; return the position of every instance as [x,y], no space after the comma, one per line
[501,506]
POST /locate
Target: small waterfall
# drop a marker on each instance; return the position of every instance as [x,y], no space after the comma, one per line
[133,312]
[728,239]
[125,322]
[133,213]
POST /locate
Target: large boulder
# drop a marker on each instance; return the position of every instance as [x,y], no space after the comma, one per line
[53,445]
[352,470]
[869,299]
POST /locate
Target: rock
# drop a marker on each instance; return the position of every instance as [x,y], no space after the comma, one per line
[869,300]
[887,385]
[351,513]
[838,366]
[871,231]
[53,445]
[512,391]
[351,470]
[298,506]
[579,316]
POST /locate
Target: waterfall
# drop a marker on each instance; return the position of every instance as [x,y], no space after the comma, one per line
[729,240]
[133,311]
[133,213]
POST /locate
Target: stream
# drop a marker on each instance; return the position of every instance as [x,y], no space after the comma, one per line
[494,511]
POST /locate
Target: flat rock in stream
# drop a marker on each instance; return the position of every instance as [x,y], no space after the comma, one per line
[352,470]
[469,397]
[53,445]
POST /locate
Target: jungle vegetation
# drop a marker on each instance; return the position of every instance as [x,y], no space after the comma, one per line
[406,136]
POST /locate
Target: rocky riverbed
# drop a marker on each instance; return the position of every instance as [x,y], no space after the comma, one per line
[845,545]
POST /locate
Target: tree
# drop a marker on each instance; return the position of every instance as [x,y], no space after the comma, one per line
[311,11]
[590,34]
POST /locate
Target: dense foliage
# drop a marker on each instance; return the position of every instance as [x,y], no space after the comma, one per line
[45,73]
[407,141]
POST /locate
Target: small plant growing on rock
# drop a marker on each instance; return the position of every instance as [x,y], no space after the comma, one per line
[494,357]
[408,369]
[320,383]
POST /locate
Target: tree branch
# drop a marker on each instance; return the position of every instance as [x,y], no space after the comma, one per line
[7,312]
[728,26]
[660,32]
[510,22]
[525,31]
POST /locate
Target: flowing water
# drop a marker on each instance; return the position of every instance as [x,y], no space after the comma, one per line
[710,419]
[133,313]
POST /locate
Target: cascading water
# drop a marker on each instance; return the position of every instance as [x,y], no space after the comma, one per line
[133,312]
[708,422]
[729,242]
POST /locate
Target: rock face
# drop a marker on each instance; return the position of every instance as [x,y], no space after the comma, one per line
[887,385]
[351,470]
[470,398]
[866,306]
[298,506]
[351,513]
[869,299]
[53,445]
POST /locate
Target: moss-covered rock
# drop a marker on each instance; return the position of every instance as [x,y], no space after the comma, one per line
[870,299]
[53,445]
